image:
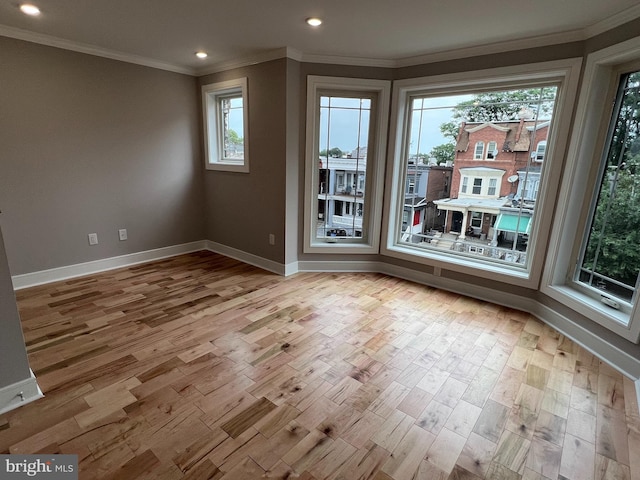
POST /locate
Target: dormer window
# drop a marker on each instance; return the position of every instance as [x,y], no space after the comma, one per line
[542,145]
[492,150]
[479,151]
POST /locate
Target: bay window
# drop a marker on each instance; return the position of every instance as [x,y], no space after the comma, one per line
[482,212]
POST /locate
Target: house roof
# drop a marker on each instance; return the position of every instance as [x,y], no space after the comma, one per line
[518,133]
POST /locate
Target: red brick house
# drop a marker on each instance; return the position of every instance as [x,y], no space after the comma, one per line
[497,166]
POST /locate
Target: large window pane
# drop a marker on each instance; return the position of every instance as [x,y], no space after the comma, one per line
[347,121]
[473,166]
[610,260]
[342,166]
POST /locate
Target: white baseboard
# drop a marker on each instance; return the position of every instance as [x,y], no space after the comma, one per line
[96,266]
[249,258]
[19,394]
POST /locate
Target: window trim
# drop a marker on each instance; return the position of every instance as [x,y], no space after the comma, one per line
[211,94]
[370,241]
[490,151]
[541,143]
[601,77]
[480,156]
[493,183]
[566,74]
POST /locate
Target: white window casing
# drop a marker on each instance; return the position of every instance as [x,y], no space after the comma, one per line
[580,181]
[479,151]
[564,75]
[214,125]
[369,208]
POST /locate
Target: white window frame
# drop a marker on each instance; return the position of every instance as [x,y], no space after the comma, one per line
[212,93]
[477,185]
[493,184]
[565,73]
[593,115]
[369,242]
[476,216]
[490,151]
[479,155]
[537,156]
[464,185]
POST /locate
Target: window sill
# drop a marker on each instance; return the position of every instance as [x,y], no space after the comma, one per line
[479,267]
[615,320]
[229,167]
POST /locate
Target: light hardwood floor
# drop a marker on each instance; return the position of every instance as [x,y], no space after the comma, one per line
[200,367]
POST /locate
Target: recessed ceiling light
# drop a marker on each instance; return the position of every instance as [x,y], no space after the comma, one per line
[30,9]
[202,54]
[314,21]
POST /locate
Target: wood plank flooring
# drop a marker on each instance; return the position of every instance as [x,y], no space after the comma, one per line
[201,367]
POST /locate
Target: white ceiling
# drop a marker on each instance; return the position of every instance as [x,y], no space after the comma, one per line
[166,33]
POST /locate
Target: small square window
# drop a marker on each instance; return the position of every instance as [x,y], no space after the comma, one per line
[226,125]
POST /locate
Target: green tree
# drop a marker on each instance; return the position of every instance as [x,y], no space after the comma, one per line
[450,130]
[615,231]
[334,152]
[506,105]
[446,151]
[443,153]
[234,138]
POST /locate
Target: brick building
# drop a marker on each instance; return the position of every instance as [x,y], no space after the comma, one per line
[496,173]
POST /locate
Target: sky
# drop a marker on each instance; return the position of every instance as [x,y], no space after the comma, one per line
[339,126]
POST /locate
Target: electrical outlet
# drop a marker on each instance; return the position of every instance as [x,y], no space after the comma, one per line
[93,239]
[122,234]
[272,239]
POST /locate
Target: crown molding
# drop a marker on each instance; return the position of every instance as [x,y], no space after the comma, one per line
[51,41]
[494,47]
[354,61]
[580,34]
[283,52]
[613,21]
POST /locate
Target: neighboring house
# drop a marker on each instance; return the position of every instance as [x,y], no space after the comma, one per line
[495,179]
[341,196]
[424,184]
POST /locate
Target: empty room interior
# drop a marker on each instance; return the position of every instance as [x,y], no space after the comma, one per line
[331,240]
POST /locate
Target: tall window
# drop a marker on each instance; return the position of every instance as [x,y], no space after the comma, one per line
[479,152]
[493,183]
[542,145]
[345,118]
[610,258]
[492,150]
[441,118]
[465,183]
[477,186]
[226,125]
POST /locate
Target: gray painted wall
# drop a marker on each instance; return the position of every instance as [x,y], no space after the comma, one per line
[14,365]
[94,145]
[294,186]
[242,209]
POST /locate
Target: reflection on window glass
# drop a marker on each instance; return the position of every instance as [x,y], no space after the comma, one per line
[611,255]
[342,166]
[232,127]
[472,161]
